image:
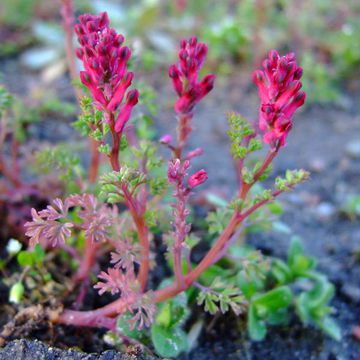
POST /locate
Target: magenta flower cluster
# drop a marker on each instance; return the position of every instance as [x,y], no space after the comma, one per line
[105,64]
[184,75]
[128,239]
[279,89]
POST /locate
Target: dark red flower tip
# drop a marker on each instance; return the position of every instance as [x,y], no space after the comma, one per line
[132,97]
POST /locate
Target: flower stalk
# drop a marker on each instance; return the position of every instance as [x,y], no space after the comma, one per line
[106,76]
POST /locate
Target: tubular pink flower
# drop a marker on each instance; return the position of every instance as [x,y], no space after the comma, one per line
[125,112]
[279,90]
[197,179]
[105,61]
[194,153]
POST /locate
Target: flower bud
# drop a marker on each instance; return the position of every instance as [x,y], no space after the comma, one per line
[197,179]
[166,139]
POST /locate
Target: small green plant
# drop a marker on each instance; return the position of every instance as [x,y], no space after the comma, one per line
[351,206]
[287,279]
[117,214]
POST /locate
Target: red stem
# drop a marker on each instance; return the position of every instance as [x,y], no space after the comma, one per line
[100,317]
[183,131]
[181,194]
[114,154]
[94,162]
[93,318]
[87,261]
[245,188]
[143,234]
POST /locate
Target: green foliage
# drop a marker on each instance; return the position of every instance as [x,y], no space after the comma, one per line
[21,115]
[221,296]
[346,48]
[31,258]
[166,333]
[113,183]
[298,262]
[217,220]
[124,327]
[17,13]
[168,342]
[6,100]
[60,158]
[319,81]
[352,206]
[271,305]
[312,306]
[158,185]
[292,178]
[227,39]
[148,150]
[269,288]
[52,104]
[89,121]
[240,129]
[150,218]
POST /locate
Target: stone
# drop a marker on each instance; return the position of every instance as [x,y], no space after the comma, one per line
[352,149]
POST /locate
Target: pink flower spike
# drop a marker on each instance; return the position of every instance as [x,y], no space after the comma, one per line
[105,61]
[185,74]
[197,179]
[279,91]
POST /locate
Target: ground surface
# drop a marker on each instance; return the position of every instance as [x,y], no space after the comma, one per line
[319,142]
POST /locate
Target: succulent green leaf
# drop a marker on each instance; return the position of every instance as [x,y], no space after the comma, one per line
[278,298]
[330,327]
[256,326]
[168,342]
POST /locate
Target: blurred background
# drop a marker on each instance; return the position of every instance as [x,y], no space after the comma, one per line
[324,34]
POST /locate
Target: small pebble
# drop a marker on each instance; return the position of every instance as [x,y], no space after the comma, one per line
[352,292]
[317,165]
[352,149]
[325,211]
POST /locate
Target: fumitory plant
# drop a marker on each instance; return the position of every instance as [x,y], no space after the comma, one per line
[120,220]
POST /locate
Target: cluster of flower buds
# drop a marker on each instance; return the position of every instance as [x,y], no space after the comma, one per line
[184,75]
[279,88]
[177,172]
[105,61]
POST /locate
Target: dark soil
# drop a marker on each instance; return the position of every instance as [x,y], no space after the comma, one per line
[34,350]
[318,143]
